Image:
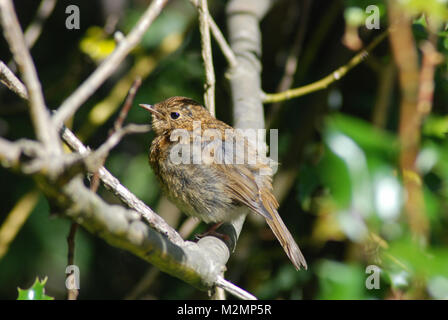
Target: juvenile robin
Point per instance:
(216, 188)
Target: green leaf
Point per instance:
(36, 292)
(364, 134)
(354, 16)
(340, 281)
(436, 126)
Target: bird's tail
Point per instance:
(286, 240)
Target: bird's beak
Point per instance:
(151, 109)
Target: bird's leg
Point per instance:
(212, 232)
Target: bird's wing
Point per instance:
(248, 178)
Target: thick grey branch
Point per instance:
(243, 19)
(198, 264)
(245, 39)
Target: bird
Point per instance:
(215, 190)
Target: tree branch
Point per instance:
(207, 56)
(34, 30)
(219, 37)
(9, 79)
(234, 290)
(243, 20)
(326, 81)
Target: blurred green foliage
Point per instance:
(345, 204)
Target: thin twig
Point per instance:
(326, 81)
(128, 103)
(83, 92)
(207, 56)
(40, 116)
(34, 30)
(225, 48)
(292, 60)
(118, 124)
(115, 138)
(294, 54)
(72, 294)
(15, 220)
(431, 58)
(220, 39)
(234, 290)
(386, 81)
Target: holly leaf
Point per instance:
(36, 292)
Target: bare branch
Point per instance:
(219, 37)
(9, 79)
(234, 290)
(72, 294)
(431, 58)
(118, 124)
(326, 81)
(101, 153)
(40, 116)
(34, 30)
(9, 153)
(225, 48)
(207, 56)
(15, 220)
(128, 103)
(292, 59)
(77, 98)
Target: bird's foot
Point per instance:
(212, 232)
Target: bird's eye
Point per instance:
(175, 115)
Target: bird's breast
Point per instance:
(198, 190)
